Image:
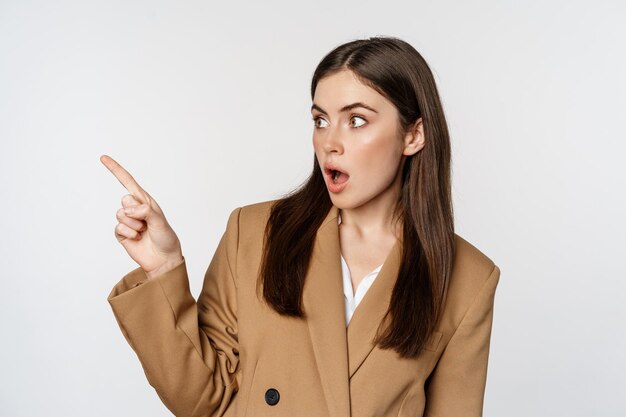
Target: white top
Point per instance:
(352, 299)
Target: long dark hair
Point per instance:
(397, 71)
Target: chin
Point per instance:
(337, 201)
(343, 203)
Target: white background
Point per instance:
(207, 105)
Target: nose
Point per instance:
(332, 140)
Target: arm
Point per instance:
(457, 385)
(188, 351)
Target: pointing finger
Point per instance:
(124, 178)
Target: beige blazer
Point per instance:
(229, 354)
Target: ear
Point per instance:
(414, 140)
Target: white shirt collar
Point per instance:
(352, 299)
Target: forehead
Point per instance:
(343, 87)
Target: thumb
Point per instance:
(145, 213)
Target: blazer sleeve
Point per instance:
(456, 386)
(189, 351)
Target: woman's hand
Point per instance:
(142, 229)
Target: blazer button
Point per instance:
(272, 396)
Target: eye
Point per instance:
(358, 117)
(316, 119)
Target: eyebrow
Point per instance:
(345, 108)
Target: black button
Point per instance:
(272, 396)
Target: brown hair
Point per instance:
(397, 71)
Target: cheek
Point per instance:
(317, 144)
(378, 158)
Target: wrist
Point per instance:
(166, 267)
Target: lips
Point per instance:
(336, 177)
(330, 168)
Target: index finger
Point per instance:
(124, 177)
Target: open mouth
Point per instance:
(336, 176)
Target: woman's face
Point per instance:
(356, 131)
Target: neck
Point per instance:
(374, 218)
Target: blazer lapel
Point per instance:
(371, 310)
(339, 352)
(325, 307)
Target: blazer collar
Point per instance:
(339, 352)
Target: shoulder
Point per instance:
(472, 272)
(245, 229)
(260, 208)
(470, 260)
(248, 221)
(254, 215)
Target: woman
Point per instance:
(276, 330)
